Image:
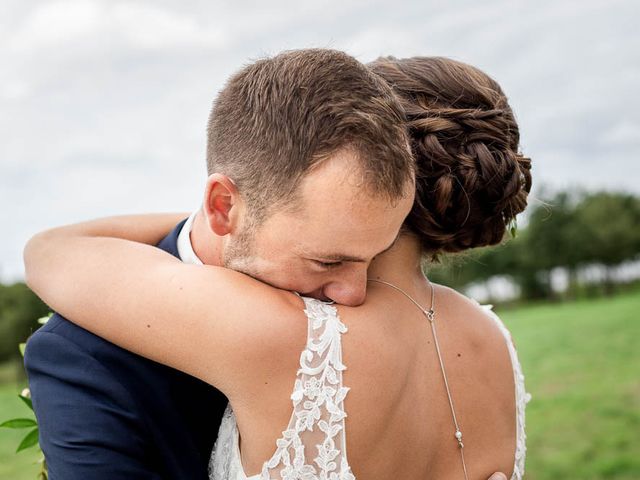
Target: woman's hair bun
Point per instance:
(471, 180)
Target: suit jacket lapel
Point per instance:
(170, 242)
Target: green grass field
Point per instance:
(21, 466)
(581, 362)
(582, 365)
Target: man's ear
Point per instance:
(221, 203)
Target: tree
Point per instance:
(554, 239)
(611, 225)
(19, 310)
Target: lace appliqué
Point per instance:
(318, 417)
(522, 397)
(313, 447)
(225, 463)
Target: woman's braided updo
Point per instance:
(471, 181)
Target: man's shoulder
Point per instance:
(59, 327)
(110, 401)
(62, 343)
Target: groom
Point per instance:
(283, 135)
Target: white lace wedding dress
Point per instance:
(313, 446)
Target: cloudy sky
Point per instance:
(103, 103)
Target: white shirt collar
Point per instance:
(185, 248)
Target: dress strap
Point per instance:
(522, 397)
(313, 446)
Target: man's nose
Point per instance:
(349, 289)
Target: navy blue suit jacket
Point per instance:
(106, 414)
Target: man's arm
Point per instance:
(88, 426)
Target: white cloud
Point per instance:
(103, 104)
(150, 27)
(622, 133)
(14, 91)
(55, 23)
(71, 22)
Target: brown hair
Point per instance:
(471, 181)
(278, 118)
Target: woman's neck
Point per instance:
(401, 265)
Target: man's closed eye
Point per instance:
(327, 265)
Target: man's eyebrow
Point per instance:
(338, 257)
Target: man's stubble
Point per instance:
(239, 255)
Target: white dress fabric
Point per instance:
(313, 446)
(522, 397)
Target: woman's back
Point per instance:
(399, 421)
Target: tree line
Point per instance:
(569, 232)
(20, 310)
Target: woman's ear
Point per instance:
(220, 198)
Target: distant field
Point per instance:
(582, 365)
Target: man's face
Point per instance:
(324, 247)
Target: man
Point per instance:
(284, 133)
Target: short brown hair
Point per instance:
(278, 118)
(471, 180)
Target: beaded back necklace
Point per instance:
(430, 314)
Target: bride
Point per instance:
(418, 382)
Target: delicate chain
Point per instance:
(430, 314)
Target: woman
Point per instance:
(429, 379)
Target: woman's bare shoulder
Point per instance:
(239, 328)
(452, 302)
(477, 324)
